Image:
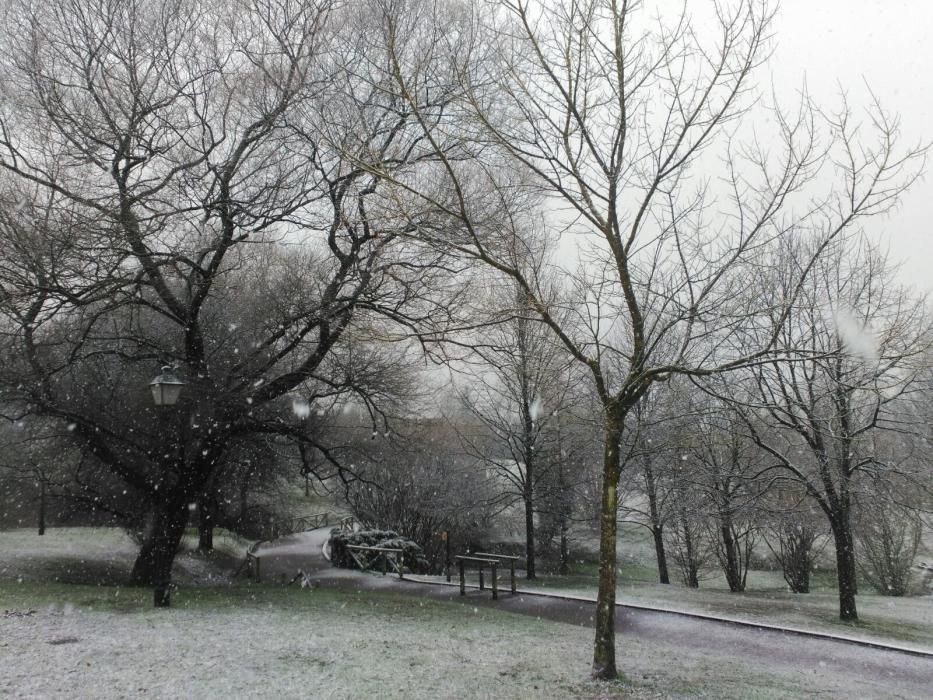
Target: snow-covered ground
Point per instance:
(285, 642)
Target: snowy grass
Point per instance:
(98, 555)
(243, 641)
(880, 617)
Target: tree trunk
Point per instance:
(205, 525)
(604, 647)
(153, 566)
(845, 566)
(529, 524)
(564, 548)
(657, 531)
(800, 561)
(42, 506)
(692, 569)
(802, 572)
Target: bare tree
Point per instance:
(689, 539)
(793, 534)
(616, 123)
(728, 462)
(820, 417)
(516, 395)
(38, 479)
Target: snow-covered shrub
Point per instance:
(412, 555)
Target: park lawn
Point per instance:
(72, 641)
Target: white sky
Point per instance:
(889, 44)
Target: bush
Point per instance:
(413, 558)
(889, 540)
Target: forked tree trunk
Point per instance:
(732, 567)
(153, 566)
(604, 648)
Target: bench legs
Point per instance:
(482, 580)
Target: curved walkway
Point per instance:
(909, 671)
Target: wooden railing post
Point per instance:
(495, 583)
(481, 586)
(462, 577)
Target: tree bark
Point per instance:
(153, 566)
(657, 531)
(845, 566)
(564, 549)
(732, 569)
(604, 648)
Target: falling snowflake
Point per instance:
(301, 408)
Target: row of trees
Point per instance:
(785, 453)
(286, 198)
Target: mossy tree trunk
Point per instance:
(604, 648)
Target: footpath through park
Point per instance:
(910, 671)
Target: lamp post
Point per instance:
(166, 389)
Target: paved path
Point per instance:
(905, 675)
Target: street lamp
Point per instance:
(166, 388)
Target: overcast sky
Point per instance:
(890, 45)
